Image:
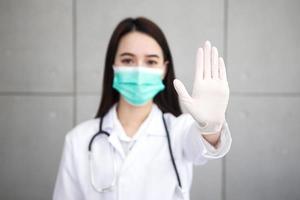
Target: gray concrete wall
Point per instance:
(51, 65)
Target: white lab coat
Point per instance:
(146, 172)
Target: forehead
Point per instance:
(139, 44)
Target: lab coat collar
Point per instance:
(153, 127)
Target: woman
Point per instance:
(140, 145)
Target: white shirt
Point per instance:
(126, 141)
(146, 172)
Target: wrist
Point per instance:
(209, 128)
(213, 139)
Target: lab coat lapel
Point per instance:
(108, 125)
(140, 150)
(115, 142)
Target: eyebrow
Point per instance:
(130, 54)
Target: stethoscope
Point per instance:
(112, 185)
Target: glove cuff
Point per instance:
(210, 127)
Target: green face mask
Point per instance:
(137, 84)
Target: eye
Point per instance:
(151, 62)
(126, 61)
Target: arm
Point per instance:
(198, 150)
(209, 99)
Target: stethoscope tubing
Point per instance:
(168, 139)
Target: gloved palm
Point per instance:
(210, 94)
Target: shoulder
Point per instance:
(83, 130)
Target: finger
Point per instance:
(180, 89)
(207, 60)
(222, 69)
(199, 76)
(215, 66)
(199, 65)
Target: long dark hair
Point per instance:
(167, 100)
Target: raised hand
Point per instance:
(210, 94)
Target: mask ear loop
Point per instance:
(171, 153)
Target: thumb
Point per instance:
(180, 89)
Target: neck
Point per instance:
(132, 116)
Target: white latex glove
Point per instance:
(210, 95)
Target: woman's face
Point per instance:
(136, 48)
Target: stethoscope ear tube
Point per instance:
(99, 132)
(90, 157)
(171, 153)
